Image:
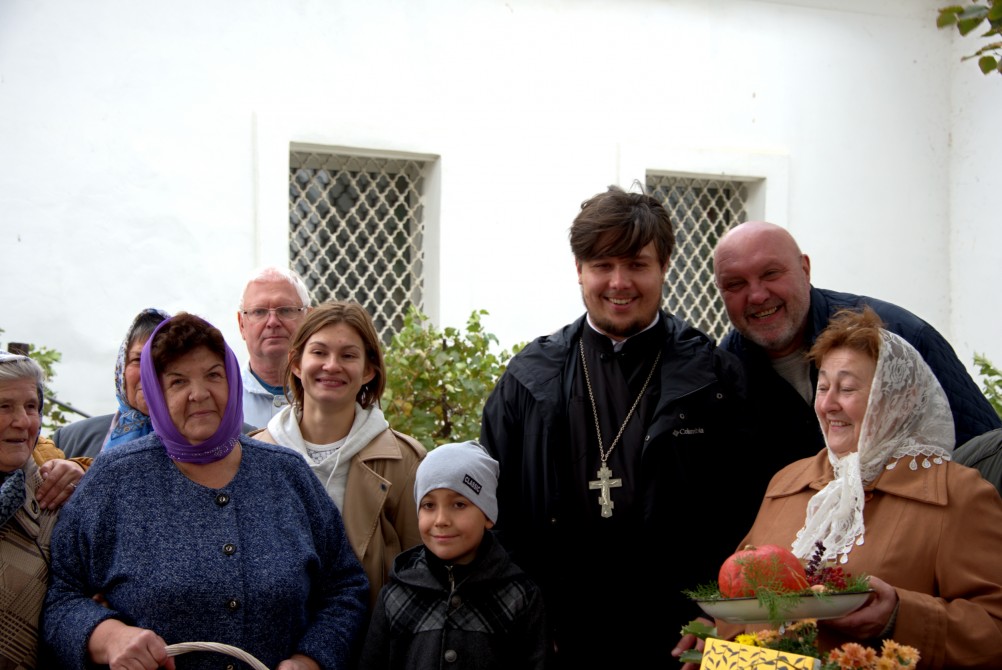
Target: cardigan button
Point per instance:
(455, 601)
(450, 656)
(222, 499)
(229, 549)
(233, 604)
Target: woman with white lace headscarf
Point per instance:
(884, 500)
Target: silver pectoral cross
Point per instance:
(603, 484)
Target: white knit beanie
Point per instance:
(463, 467)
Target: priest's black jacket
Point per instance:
(700, 485)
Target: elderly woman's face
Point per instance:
(195, 390)
(20, 422)
(133, 385)
(844, 381)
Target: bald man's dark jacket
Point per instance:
(791, 423)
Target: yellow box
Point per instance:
(724, 655)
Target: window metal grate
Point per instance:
(356, 229)
(701, 210)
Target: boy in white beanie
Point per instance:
(457, 600)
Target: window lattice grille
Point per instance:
(701, 211)
(356, 229)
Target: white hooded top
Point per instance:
(333, 470)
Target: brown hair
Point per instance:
(332, 313)
(858, 330)
(182, 334)
(616, 223)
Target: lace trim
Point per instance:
(907, 415)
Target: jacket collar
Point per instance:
(684, 368)
(384, 446)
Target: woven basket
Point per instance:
(185, 647)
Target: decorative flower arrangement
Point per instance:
(774, 576)
(756, 573)
(829, 576)
(801, 638)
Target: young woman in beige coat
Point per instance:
(336, 378)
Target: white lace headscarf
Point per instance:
(907, 414)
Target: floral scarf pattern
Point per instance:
(128, 423)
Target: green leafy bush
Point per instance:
(992, 382)
(967, 19)
(438, 381)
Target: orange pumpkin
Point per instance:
(769, 566)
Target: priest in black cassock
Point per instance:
(628, 469)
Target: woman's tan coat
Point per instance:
(935, 534)
(24, 568)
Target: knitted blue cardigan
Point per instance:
(262, 564)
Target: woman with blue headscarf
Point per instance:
(130, 421)
(198, 533)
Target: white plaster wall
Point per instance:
(143, 146)
(976, 223)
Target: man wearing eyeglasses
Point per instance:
(274, 303)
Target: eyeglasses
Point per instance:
(286, 313)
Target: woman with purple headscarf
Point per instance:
(198, 533)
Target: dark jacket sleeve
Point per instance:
(501, 433)
(973, 415)
(376, 650)
(534, 634)
(984, 453)
(83, 438)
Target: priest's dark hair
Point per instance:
(619, 224)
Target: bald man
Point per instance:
(765, 281)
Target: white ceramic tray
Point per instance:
(749, 610)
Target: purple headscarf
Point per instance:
(178, 447)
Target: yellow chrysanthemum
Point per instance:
(909, 655)
(750, 640)
(905, 656)
(889, 649)
(803, 624)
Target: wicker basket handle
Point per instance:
(185, 647)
